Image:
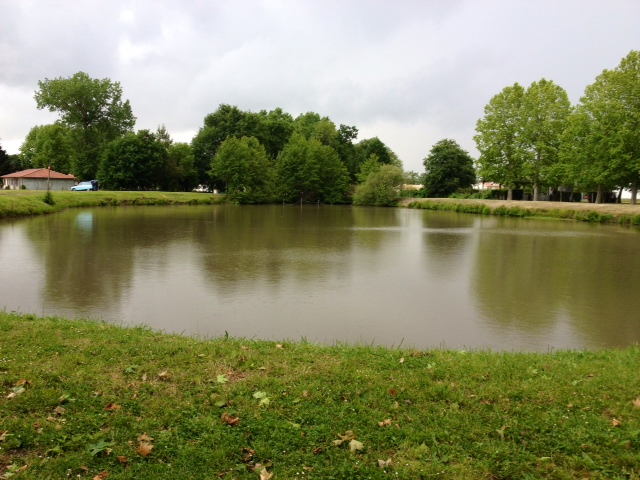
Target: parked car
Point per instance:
(88, 186)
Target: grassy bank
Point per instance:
(22, 203)
(624, 214)
(87, 400)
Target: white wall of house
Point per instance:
(37, 183)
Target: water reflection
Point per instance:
(330, 273)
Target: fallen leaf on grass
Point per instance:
(145, 438)
(59, 410)
(279, 346)
(15, 392)
(385, 423)
(222, 378)
(3, 435)
(112, 407)
(348, 436)
(636, 402)
(144, 449)
(615, 422)
(101, 476)
(99, 447)
(262, 396)
(24, 382)
(355, 446)
(384, 463)
(265, 475)
(402, 360)
(164, 376)
(230, 419)
(122, 459)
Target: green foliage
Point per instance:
(48, 198)
(243, 166)
(5, 163)
(448, 169)
(499, 138)
(372, 165)
(133, 162)
(381, 188)
(94, 111)
(308, 170)
(49, 145)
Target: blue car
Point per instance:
(88, 186)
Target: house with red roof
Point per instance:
(38, 179)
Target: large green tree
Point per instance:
(545, 113)
(94, 111)
(49, 145)
(243, 166)
(308, 170)
(448, 168)
(136, 161)
(499, 139)
(601, 147)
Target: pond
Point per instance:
(392, 277)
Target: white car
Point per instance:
(87, 186)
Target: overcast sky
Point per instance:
(408, 72)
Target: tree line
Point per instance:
(533, 138)
(529, 139)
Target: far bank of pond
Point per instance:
(14, 204)
(624, 214)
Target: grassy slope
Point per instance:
(590, 212)
(89, 398)
(31, 202)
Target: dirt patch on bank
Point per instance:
(615, 209)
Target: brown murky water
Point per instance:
(331, 274)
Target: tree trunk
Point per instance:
(599, 194)
(634, 192)
(536, 192)
(510, 193)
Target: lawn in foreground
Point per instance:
(83, 399)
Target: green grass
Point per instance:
(85, 394)
(20, 203)
(505, 211)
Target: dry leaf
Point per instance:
(393, 392)
(317, 451)
(385, 423)
(279, 346)
(230, 419)
(636, 402)
(384, 463)
(264, 475)
(59, 410)
(112, 407)
(163, 376)
(615, 422)
(23, 382)
(144, 449)
(145, 438)
(3, 435)
(402, 360)
(244, 347)
(101, 476)
(355, 445)
(122, 459)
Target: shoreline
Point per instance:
(625, 214)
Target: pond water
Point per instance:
(393, 277)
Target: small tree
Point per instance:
(243, 166)
(381, 188)
(448, 169)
